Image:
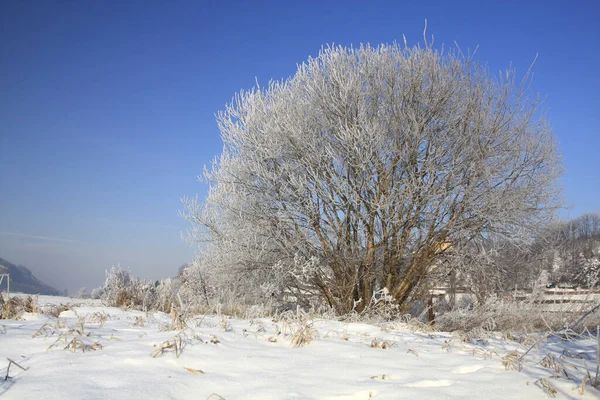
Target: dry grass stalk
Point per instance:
(512, 360)
(380, 377)
(16, 306)
(45, 330)
(78, 344)
(139, 321)
(261, 326)
(304, 335)
(381, 344)
(343, 336)
(195, 371)
(588, 377)
(99, 317)
(581, 387)
(215, 395)
(176, 344)
(299, 326)
(330, 334)
(55, 310)
(556, 365)
(75, 338)
(11, 362)
(547, 387)
(447, 346)
(226, 325)
(179, 319)
(478, 351)
(247, 333)
(75, 343)
(60, 323)
(178, 322)
(413, 352)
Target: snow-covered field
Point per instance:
(226, 358)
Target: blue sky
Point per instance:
(107, 107)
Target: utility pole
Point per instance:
(7, 276)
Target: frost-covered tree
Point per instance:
(569, 251)
(578, 252)
(356, 173)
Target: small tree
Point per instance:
(366, 164)
(82, 293)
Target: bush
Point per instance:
(520, 312)
(97, 293)
(121, 289)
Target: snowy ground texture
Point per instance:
(135, 355)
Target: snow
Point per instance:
(255, 359)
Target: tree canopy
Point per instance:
(369, 165)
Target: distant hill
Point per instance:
(22, 280)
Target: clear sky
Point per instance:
(107, 107)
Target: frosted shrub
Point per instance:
(82, 293)
(121, 289)
(97, 293)
(162, 297)
(521, 312)
(211, 289)
(195, 290)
